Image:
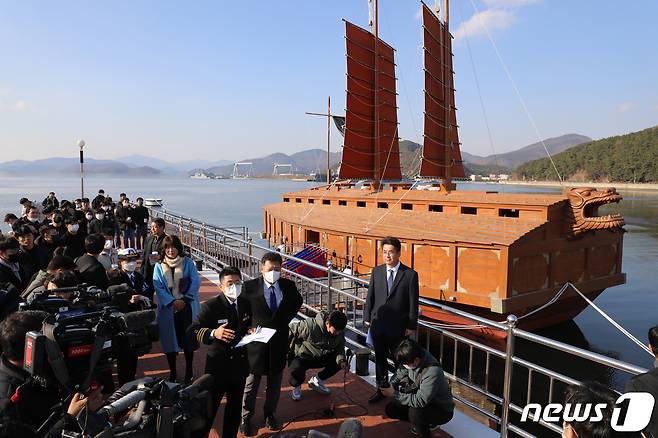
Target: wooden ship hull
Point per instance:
(489, 253)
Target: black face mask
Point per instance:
(13, 258)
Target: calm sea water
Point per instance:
(240, 202)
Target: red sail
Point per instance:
(440, 112)
(364, 155)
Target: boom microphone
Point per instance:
(123, 403)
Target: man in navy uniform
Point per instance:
(274, 303)
(391, 309)
(222, 322)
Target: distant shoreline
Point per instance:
(617, 185)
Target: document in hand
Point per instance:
(262, 334)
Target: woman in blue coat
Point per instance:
(176, 282)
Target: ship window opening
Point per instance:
(360, 203)
(508, 212)
(286, 199)
(469, 210)
(311, 201)
(438, 208)
(298, 200)
(342, 202)
(407, 206)
(382, 205)
(326, 202)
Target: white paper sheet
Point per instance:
(262, 334)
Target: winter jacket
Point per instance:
(311, 340)
(432, 386)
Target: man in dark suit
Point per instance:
(222, 322)
(648, 382)
(92, 272)
(151, 251)
(274, 303)
(391, 309)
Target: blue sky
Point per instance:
(232, 79)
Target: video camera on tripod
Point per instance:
(72, 350)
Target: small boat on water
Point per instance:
(153, 202)
(488, 253)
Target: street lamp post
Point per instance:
(81, 144)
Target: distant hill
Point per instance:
(624, 158)
(311, 160)
(61, 166)
(181, 166)
(515, 158)
(131, 165)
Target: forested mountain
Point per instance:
(624, 158)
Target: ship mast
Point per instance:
(447, 184)
(378, 158)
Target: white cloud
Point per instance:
(491, 19)
(625, 107)
(20, 105)
(509, 3)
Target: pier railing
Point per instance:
(494, 384)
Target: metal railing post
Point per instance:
(250, 250)
(330, 276)
(507, 383)
(205, 244)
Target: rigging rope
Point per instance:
(516, 90)
(479, 90)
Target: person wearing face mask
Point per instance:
(87, 217)
(275, 301)
(11, 270)
(10, 220)
(176, 282)
(98, 200)
(74, 239)
(318, 342)
(420, 390)
(141, 216)
(126, 358)
(222, 322)
(101, 224)
(125, 216)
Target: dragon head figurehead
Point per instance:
(584, 203)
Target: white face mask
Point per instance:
(409, 367)
(130, 266)
(105, 207)
(89, 216)
(272, 276)
(75, 228)
(233, 291)
(33, 219)
(108, 244)
(100, 217)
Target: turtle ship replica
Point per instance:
(487, 253)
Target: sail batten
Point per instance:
(441, 155)
(371, 123)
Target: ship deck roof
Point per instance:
(412, 225)
(457, 196)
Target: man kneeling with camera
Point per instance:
(421, 391)
(317, 342)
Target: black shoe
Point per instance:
(271, 423)
(188, 380)
(376, 397)
(246, 429)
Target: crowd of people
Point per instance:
(55, 246)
